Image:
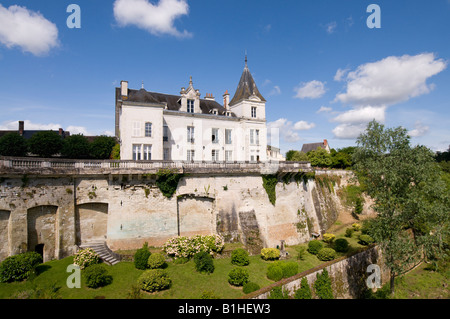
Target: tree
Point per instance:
(304, 292)
(45, 143)
(320, 158)
(322, 285)
(13, 144)
(115, 154)
(102, 146)
(76, 146)
(410, 198)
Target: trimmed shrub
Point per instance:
(187, 247)
(154, 280)
(85, 258)
(329, 238)
(250, 287)
(239, 257)
(96, 276)
(304, 292)
(349, 232)
(341, 245)
(290, 268)
(322, 286)
(19, 267)
(238, 276)
(314, 246)
(356, 227)
(141, 257)
(365, 240)
(326, 254)
(270, 253)
(204, 262)
(155, 261)
(275, 272)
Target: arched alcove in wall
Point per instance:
(41, 230)
(4, 234)
(91, 222)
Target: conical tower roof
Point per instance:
(246, 87)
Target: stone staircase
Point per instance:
(102, 251)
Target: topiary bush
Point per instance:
(19, 267)
(349, 232)
(96, 276)
(329, 238)
(365, 240)
(341, 245)
(275, 272)
(314, 246)
(290, 268)
(326, 254)
(250, 287)
(270, 254)
(238, 276)
(85, 258)
(141, 257)
(156, 260)
(154, 280)
(356, 227)
(240, 257)
(204, 262)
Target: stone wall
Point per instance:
(348, 276)
(127, 210)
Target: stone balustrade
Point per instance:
(59, 166)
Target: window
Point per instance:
(215, 135)
(229, 156)
(136, 129)
(136, 152)
(147, 152)
(166, 154)
(215, 155)
(190, 134)
(190, 155)
(148, 129)
(165, 133)
(252, 137)
(228, 139)
(253, 112)
(190, 106)
(257, 137)
(252, 158)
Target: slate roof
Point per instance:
(312, 147)
(246, 88)
(173, 101)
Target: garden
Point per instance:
(198, 267)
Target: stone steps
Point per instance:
(102, 251)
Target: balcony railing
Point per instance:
(57, 165)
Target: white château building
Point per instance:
(186, 127)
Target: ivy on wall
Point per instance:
(167, 182)
(269, 184)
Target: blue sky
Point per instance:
(322, 70)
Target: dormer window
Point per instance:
(214, 112)
(190, 106)
(228, 113)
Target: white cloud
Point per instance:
(287, 130)
(304, 126)
(349, 131)
(331, 27)
(391, 80)
(313, 90)
(419, 130)
(362, 115)
(275, 91)
(156, 19)
(29, 30)
(78, 130)
(340, 74)
(324, 109)
(28, 125)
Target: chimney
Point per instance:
(226, 99)
(124, 89)
(61, 132)
(21, 127)
(325, 143)
(209, 97)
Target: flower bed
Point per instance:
(187, 247)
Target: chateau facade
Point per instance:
(186, 127)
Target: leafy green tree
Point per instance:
(76, 146)
(304, 292)
(102, 146)
(115, 154)
(322, 285)
(319, 158)
(409, 196)
(13, 144)
(45, 143)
